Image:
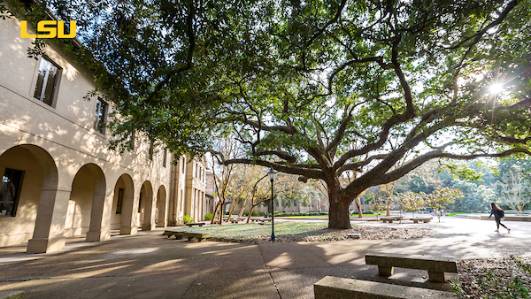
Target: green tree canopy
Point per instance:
(318, 89)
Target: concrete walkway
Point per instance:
(151, 266)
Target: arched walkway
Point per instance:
(122, 206)
(88, 193)
(160, 218)
(28, 202)
(145, 206)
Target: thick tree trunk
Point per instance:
(338, 213)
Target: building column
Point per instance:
(100, 216)
(196, 205)
(202, 205)
(150, 213)
(166, 212)
(128, 223)
(49, 225)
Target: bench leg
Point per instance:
(385, 271)
(178, 237)
(190, 239)
(436, 276)
(199, 239)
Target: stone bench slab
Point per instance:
(421, 219)
(390, 219)
(342, 288)
(419, 262)
(435, 266)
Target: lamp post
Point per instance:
(272, 175)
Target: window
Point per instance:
(47, 81)
(101, 116)
(151, 149)
(132, 139)
(120, 201)
(164, 158)
(182, 164)
(10, 191)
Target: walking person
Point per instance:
(498, 215)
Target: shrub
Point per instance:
(187, 219)
(255, 213)
(209, 216)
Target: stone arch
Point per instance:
(145, 206)
(161, 210)
(87, 198)
(28, 193)
(122, 206)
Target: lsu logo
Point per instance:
(48, 29)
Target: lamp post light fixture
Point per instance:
(272, 176)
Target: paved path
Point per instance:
(150, 266)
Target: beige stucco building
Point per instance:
(196, 204)
(59, 177)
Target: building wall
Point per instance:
(55, 144)
(177, 193)
(196, 204)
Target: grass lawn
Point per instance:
(253, 231)
(454, 214)
(292, 231)
(323, 216)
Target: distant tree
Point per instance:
(411, 201)
(377, 204)
(292, 191)
(387, 191)
(223, 175)
(259, 195)
(439, 199)
(513, 190)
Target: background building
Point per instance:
(195, 199)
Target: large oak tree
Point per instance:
(318, 89)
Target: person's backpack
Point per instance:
(501, 213)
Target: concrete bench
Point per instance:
(236, 220)
(335, 287)
(179, 234)
(390, 219)
(194, 235)
(195, 224)
(421, 219)
(436, 267)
